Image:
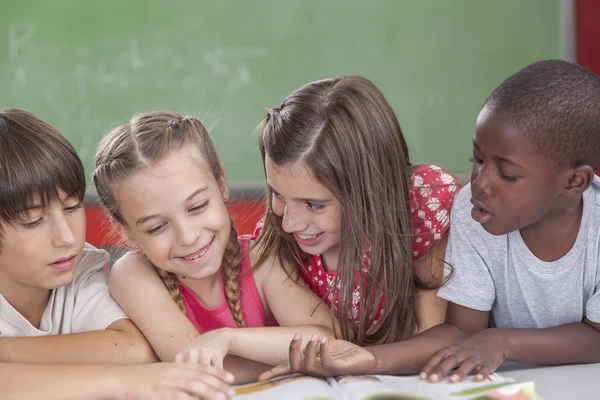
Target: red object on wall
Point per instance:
(99, 233)
(587, 16)
(587, 22)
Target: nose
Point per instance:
(294, 220)
(62, 235)
(481, 183)
(185, 233)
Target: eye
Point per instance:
(73, 208)
(315, 206)
(199, 207)
(507, 177)
(155, 229)
(477, 161)
(30, 225)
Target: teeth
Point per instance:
(197, 255)
(307, 237)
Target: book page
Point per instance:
(290, 387)
(382, 387)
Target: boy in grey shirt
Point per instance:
(525, 234)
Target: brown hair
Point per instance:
(36, 161)
(346, 134)
(147, 139)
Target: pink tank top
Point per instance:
(208, 319)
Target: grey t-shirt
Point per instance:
(500, 274)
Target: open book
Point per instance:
(383, 387)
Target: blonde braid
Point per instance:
(231, 271)
(172, 285)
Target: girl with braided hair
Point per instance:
(160, 180)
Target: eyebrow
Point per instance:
(190, 197)
(30, 208)
(302, 198)
(501, 159)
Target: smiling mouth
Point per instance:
(199, 253)
(308, 237)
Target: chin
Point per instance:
(496, 230)
(58, 282)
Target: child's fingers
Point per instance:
(182, 357)
(486, 370)
(310, 353)
(275, 371)
(447, 365)
(295, 353)
(467, 366)
(217, 360)
(435, 361)
(326, 360)
(204, 357)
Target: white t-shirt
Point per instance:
(83, 305)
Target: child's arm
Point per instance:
(120, 342)
(102, 382)
(339, 357)
(431, 309)
(483, 352)
(294, 306)
(141, 293)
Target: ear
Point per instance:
(223, 186)
(125, 233)
(579, 179)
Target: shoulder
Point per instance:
(131, 267)
(432, 189)
(432, 192)
(429, 175)
(92, 260)
(271, 270)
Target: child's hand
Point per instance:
(175, 381)
(209, 348)
(324, 357)
(481, 354)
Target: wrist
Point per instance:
(379, 367)
(505, 341)
(228, 335)
(116, 383)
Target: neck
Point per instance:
(208, 290)
(331, 259)
(555, 234)
(30, 302)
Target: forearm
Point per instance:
(566, 344)
(60, 382)
(270, 345)
(97, 347)
(408, 356)
(244, 370)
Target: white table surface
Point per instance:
(563, 382)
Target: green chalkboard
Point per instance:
(85, 65)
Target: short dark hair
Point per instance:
(36, 161)
(557, 104)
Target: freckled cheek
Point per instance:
(278, 207)
(332, 223)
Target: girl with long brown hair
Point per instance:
(366, 228)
